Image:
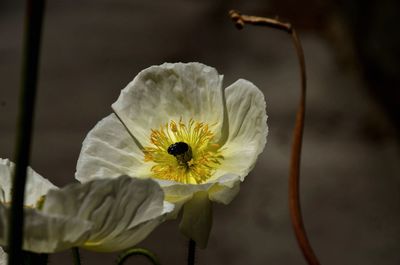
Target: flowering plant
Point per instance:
(174, 123)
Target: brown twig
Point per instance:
(294, 175)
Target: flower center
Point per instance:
(182, 152)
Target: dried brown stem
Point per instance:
(294, 175)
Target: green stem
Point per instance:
(33, 25)
(138, 252)
(76, 256)
(191, 252)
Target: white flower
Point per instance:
(101, 215)
(176, 124)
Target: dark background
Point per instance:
(350, 177)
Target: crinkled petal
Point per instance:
(132, 235)
(36, 185)
(247, 128)
(45, 233)
(168, 92)
(225, 189)
(179, 193)
(221, 190)
(196, 219)
(3, 257)
(123, 210)
(109, 151)
(196, 200)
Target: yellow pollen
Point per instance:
(205, 153)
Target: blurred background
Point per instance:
(351, 174)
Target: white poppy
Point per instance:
(176, 124)
(101, 215)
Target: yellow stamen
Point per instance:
(205, 153)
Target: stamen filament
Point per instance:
(195, 165)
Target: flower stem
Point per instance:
(191, 252)
(138, 252)
(32, 34)
(76, 256)
(294, 175)
(30, 258)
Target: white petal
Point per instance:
(221, 190)
(168, 92)
(36, 185)
(108, 151)
(247, 127)
(196, 219)
(3, 257)
(196, 200)
(44, 233)
(124, 210)
(225, 188)
(6, 171)
(125, 240)
(177, 192)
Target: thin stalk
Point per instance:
(76, 256)
(33, 26)
(191, 252)
(294, 174)
(30, 258)
(137, 252)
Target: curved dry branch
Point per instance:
(294, 174)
